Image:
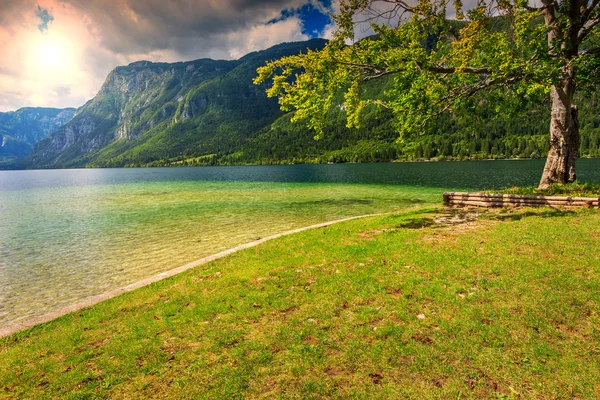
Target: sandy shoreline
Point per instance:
(92, 300)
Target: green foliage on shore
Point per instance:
(451, 137)
(497, 56)
(572, 189)
(417, 305)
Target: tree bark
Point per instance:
(564, 136)
(564, 123)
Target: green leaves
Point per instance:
(436, 63)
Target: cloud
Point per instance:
(62, 90)
(50, 45)
(44, 15)
(314, 16)
(264, 36)
(185, 26)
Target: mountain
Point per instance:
(146, 112)
(208, 112)
(20, 130)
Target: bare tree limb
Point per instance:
(549, 13)
(381, 104)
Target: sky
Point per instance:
(57, 53)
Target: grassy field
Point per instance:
(426, 304)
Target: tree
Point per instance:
(498, 53)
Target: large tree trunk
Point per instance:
(564, 136)
(563, 39)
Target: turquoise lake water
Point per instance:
(69, 234)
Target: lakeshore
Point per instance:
(425, 303)
(93, 300)
(69, 235)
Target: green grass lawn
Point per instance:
(504, 304)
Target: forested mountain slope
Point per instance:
(460, 136)
(147, 111)
(20, 130)
(208, 112)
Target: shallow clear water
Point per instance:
(68, 234)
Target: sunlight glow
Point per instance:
(50, 54)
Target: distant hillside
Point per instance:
(22, 129)
(146, 112)
(452, 136)
(208, 112)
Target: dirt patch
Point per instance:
(423, 339)
(394, 292)
(93, 345)
(375, 378)
(370, 235)
(457, 217)
(311, 340)
(451, 224)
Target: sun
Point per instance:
(50, 54)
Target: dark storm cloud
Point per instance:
(139, 26)
(44, 15)
(186, 26)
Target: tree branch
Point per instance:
(549, 13)
(469, 90)
(587, 28)
(465, 91)
(588, 52)
(372, 14)
(587, 13)
(381, 104)
(438, 69)
(377, 75)
(368, 67)
(378, 72)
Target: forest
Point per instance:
(463, 135)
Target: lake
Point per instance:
(69, 234)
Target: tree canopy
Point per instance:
(440, 55)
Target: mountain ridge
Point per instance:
(20, 130)
(208, 112)
(144, 100)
